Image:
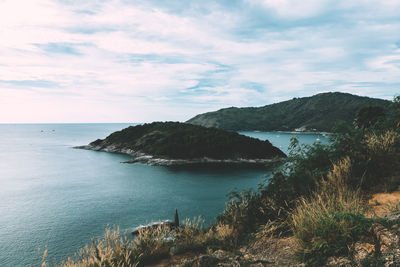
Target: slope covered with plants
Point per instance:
(317, 200)
(319, 112)
(174, 140)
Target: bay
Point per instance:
(57, 197)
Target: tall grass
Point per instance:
(380, 161)
(192, 236)
(151, 246)
(115, 249)
(331, 220)
(386, 143)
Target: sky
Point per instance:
(155, 60)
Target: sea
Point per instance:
(58, 198)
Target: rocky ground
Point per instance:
(382, 249)
(265, 252)
(139, 157)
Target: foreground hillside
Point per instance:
(323, 207)
(172, 142)
(319, 112)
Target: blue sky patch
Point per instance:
(59, 48)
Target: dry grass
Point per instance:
(150, 247)
(385, 203)
(384, 143)
(331, 220)
(115, 249)
(331, 194)
(382, 158)
(192, 236)
(270, 230)
(392, 207)
(223, 236)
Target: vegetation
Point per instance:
(317, 197)
(185, 141)
(331, 221)
(368, 116)
(149, 247)
(318, 112)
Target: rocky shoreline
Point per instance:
(140, 157)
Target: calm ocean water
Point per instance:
(57, 197)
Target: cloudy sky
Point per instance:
(145, 60)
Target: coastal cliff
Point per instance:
(173, 143)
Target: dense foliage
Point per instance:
(185, 141)
(318, 112)
(316, 196)
(374, 153)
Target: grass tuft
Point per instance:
(331, 221)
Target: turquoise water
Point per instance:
(57, 197)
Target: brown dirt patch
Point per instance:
(174, 260)
(384, 203)
(272, 251)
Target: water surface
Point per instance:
(55, 196)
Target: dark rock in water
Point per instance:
(176, 218)
(153, 226)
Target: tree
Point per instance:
(368, 116)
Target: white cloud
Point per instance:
(295, 9)
(113, 61)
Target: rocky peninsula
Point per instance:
(174, 143)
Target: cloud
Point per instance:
(115, 60)
(294, 9)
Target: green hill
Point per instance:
(174, 140)
(319, 112)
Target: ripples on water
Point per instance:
(55, 196)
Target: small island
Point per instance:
(174, 143)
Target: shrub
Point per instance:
(191, 236)
(222, 236)
(382, 159)
(117, 250)
(331, 220)
(152, 245)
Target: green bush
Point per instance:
(331, 221)
(330, 234)
(319, 200)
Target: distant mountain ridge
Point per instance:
(315, 113)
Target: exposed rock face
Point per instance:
(139, 157)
